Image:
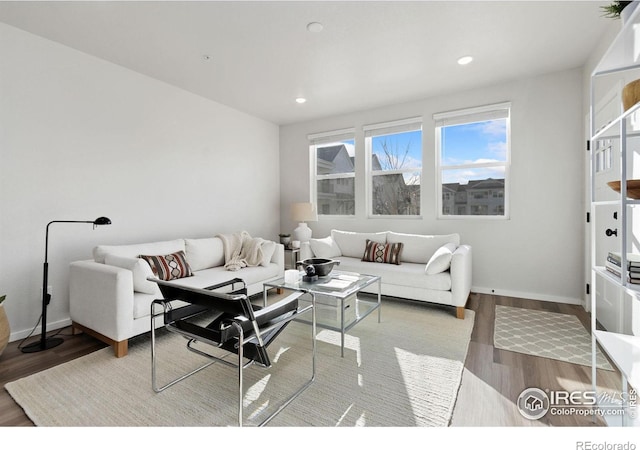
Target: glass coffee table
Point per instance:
(335, 296)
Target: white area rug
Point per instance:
(404, 371)
(547, 334)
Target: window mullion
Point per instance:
(333, 176)
(476, 165)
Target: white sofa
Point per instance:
(110, 296)
(433, 268)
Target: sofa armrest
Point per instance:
(305, 251)
(101, 298)
(461, 275)
(278, 258)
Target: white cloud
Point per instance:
(495, 127)
(499, 149)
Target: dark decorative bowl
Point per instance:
(322, 266)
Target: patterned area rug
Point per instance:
(541, 333)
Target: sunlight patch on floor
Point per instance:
(344, 415)
(409, 364)
(281, 351)
(497, 410)
(254, 392)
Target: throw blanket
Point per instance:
(241, 250)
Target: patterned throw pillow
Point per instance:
(169, 267)
(382, 253)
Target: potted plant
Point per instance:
(4, 326)
(614, 9)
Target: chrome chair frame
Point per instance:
(203, 300)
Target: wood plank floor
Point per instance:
(492, 380)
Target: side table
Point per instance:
(291, 256)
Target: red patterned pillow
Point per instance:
(169, 267)
(382, 253)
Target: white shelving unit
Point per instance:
(615, 218)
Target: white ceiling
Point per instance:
(369, 54)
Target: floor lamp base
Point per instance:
(37, 346)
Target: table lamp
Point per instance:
(302, 213)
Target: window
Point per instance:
(473, 153)
(604, 150)
(333, 161)
(394, 167)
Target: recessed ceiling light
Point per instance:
(301, 100)
(465, 60)
(315, 27)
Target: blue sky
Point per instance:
(480, 142)
(399, 143)
(474, 142)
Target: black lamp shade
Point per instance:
(102, 221)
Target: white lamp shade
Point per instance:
(303, 212)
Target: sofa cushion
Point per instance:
(268, 249)
(352, 244)
(204, 253)
(441, 259)
(132, 251)
(382, 253)
(141, 271)
(419, 248)
(325, 248)
(406, 274)
(216, 275)
(169, 267)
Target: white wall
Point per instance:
(539, 252)
(82, 138)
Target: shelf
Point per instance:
(615, 154)
(622, 54)
(624, 350)
(610, 127)
(363, 307)
(629, 202)
(631, 289)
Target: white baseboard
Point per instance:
(528, 295)
(51, 326)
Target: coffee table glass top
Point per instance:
(336, 284)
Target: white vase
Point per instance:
(4, 329)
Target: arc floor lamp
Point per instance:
(44, 343)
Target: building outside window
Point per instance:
(394, 167)
(333, 172)
(473, 157)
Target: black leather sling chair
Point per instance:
(235, 326)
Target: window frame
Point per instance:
(388, 128)
(321, 140)
(469, 116)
